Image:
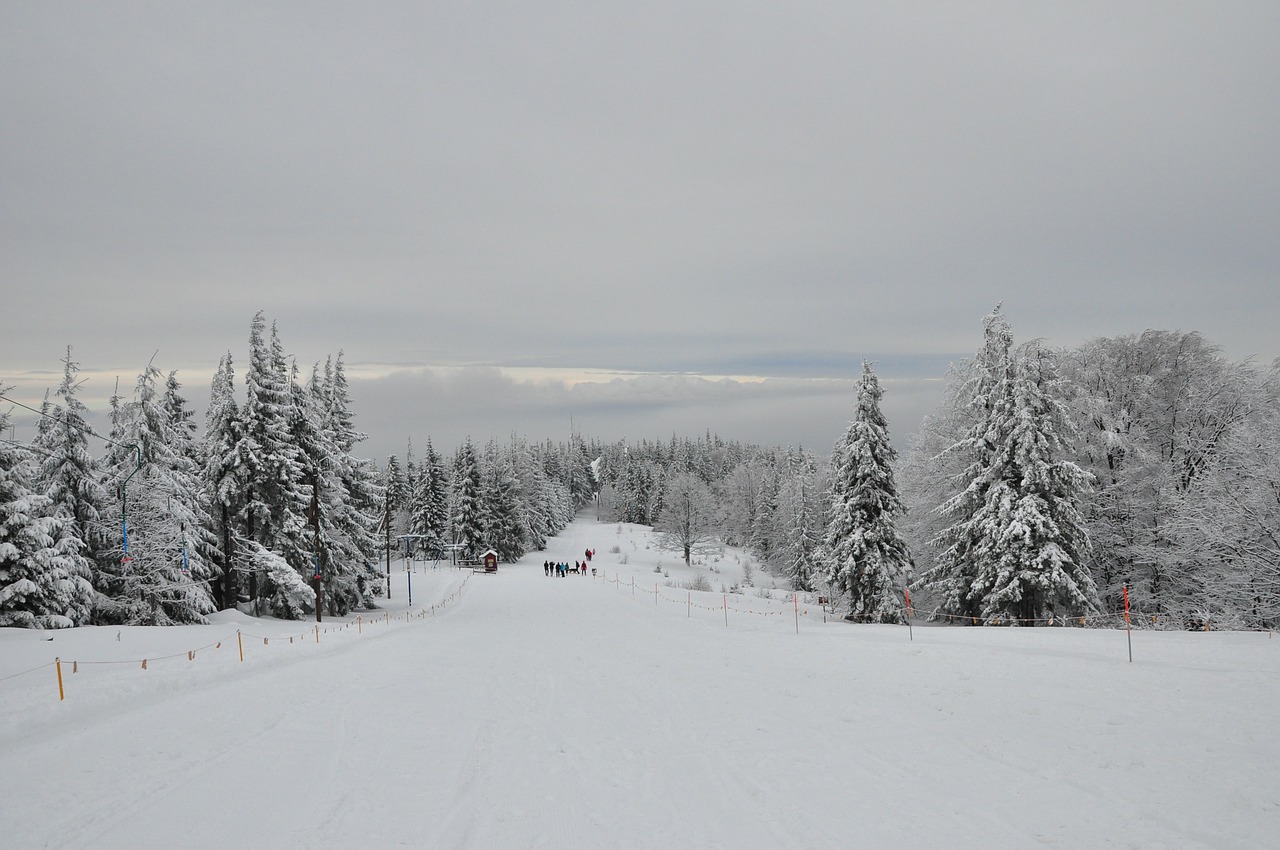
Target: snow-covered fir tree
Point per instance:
(223, 472)
(307, 544)
(537, 516)
(429, 513)
(356, 495)
(396, 483)
(988, 393)
(560, 508)
(801, 523)
(1031, 559)
(163, 576)
(764, 523)
(867, 559)
(578, 474)
(275, 505)
(469, 531)
(504, 512)
(44, 578)
(1014, 551)
(69, 474)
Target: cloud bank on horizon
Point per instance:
(706, 189)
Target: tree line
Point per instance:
(161, 522)
(1047, 483)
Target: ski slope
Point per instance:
(521, 711)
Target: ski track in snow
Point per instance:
(541, 712)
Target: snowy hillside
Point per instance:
(619, 710)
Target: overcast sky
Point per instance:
(528, 217)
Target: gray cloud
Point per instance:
(686, 188)
(481, 403)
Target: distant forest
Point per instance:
(1047, 484)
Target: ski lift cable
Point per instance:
(59, 419)
(124, 520)
(31, 449)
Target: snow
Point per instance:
(519, 711)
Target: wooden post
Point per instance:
(1127, 628)
(240, 643)
(62, 694)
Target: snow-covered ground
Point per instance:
(516, 710)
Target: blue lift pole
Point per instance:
(124, 498)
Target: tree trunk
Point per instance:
(230, 585)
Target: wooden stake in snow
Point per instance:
(1128, 630)
(910, 634)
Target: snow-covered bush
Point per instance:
(698, 582)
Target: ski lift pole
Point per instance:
(182, 529)
(124, 500)
(317, 580)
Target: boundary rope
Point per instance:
(358, 622)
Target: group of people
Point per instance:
(561, 568)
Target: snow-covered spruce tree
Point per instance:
(504, 511)
(163, 579)
(69, 474)
(559, 500)
(396, 499)
(274, 504)
(355, 499)
(764, 525)
(1033, 540)
(306, 542)
(468, 504)
(580, 477)
(224, 475)
(532, 492)
(1015, 549)
(429, 514)
(44, 580)
(801, 508)
(988, 395)
(639, 497)
(865, 556)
